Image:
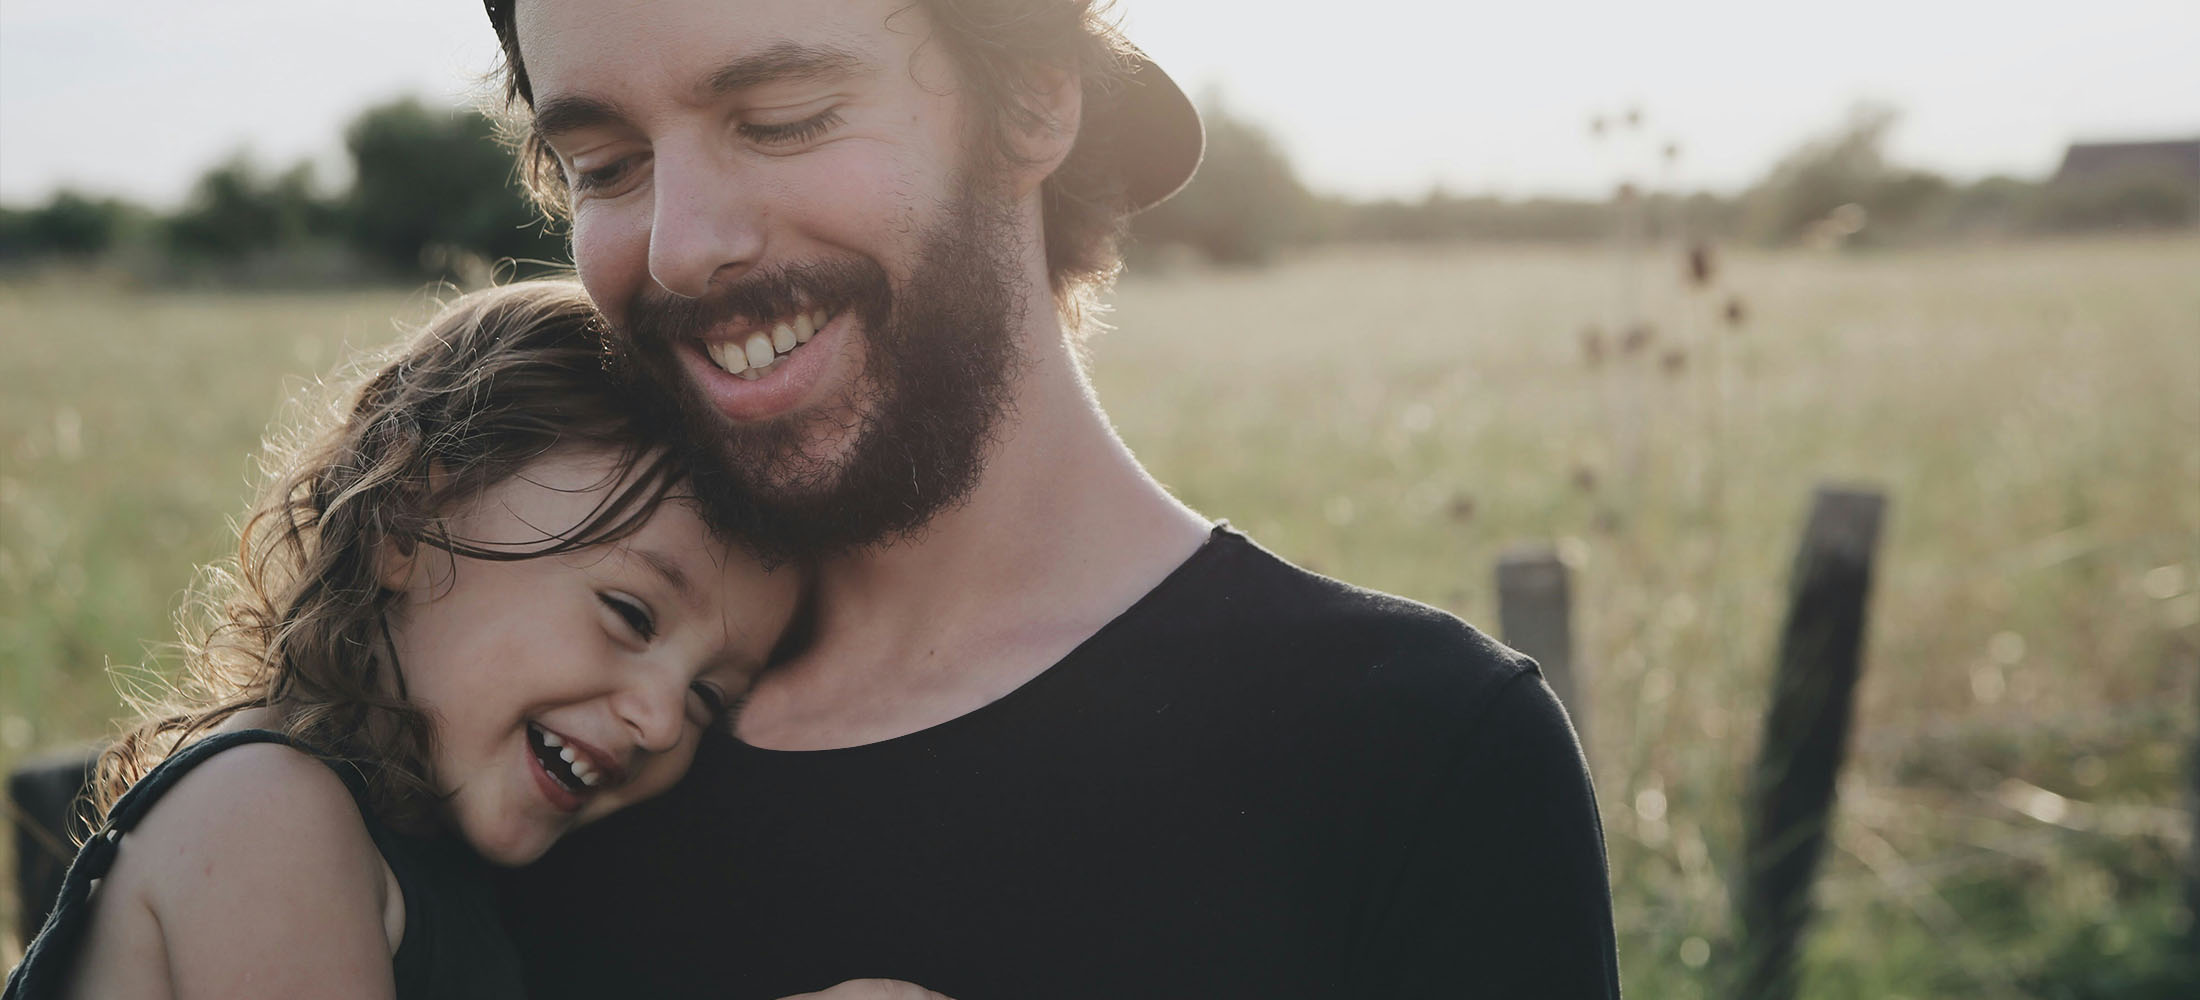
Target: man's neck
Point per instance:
(1064, 532)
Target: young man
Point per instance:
(1051, 733)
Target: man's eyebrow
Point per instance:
(782, 61)
(560, 115)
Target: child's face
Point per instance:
(621, 653)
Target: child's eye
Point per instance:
(636, 616)
(711, 704)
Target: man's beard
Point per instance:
(913, 427)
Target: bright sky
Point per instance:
(1372, 97)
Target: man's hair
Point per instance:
(1004, 51)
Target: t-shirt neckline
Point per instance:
(1220, 533)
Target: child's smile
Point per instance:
(566, 687)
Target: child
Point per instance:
(473, 615)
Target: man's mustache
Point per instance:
(657, 319)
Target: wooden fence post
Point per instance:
(1791, 787)
(42, 807)
(2192, 859)
(1535, 616)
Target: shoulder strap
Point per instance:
(139, 800)
(50, 954)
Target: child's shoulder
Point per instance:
(250, 811)
(258, 850)
(258, 792)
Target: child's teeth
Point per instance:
(783, 338)
(552, 740)
(566, 755)
(588, 778)
(759, 349)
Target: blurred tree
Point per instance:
(68, 225)
(1842, 168)
(1244, 203)
(433, 185)
(235, 211)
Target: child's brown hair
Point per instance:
(295, 625)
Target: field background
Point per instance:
(2012, 821)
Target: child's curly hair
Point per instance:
(295, 624)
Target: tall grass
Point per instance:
(2011, 822)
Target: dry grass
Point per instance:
(2012, 822)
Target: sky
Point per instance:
(1371, 98)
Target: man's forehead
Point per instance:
(601, 45)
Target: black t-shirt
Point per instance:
(1256, 782)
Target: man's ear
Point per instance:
(1055, 100)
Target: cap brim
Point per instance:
(1154, 135)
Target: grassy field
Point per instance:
(2011, 823)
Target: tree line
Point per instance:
(432, 194)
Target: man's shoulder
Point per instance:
(1309, 633)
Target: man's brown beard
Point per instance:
(939, 361)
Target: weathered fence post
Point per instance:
(1791, 788)
(2192, 859)
(42, 806)
(1535, 616)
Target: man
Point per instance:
(1050, 733)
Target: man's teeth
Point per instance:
(726, 355)
(753, 357)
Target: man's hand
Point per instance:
(873, 989)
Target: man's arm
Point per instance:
(1503, 891)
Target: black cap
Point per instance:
(1149, 129)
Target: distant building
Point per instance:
(2085, 161)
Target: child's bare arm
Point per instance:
(264, 882)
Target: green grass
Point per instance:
(2011, 822)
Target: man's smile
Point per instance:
(751, 372)
(756, 353)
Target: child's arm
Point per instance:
(263, 882)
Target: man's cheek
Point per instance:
(611, 254)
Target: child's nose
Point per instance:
(654, 709)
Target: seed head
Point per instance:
(1736, 311)
(1700, 265)
(1637, 339)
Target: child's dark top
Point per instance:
(454, 944)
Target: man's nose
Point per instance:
(708, 223)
